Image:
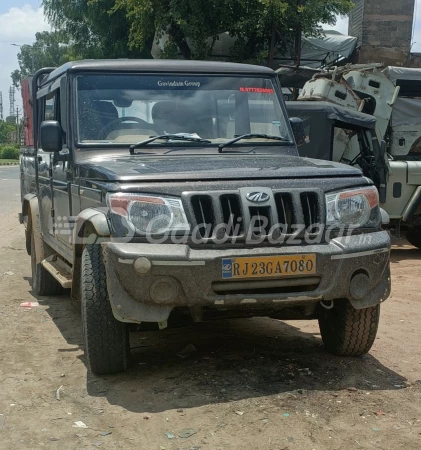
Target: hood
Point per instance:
(208, 167)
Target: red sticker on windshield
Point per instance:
(257, 90)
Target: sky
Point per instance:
(21, 19)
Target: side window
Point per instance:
(49, 109)
(49, 106)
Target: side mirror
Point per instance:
(299, 131)
(51, 136)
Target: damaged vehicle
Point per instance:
(172, 192)
(335, 133)
(392, 95)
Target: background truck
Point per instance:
(168, 192)
(393, 96)
(334, 132)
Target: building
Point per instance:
(384, 30)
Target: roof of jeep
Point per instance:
(157, 65)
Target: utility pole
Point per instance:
(12, 100)
(272, 47)
(17, 126)
(298, 36)
(1, 105)
(298, 42)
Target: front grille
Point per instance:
(204, 214)
(232, 214)
(260, 220)
(285, 209)
(310, 206)
(232, 217)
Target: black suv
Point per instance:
(169, 192)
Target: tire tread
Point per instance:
(106, 339)
(347, 331)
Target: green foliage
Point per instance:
(11, 120)
(9, 152)
(252, 22)
(50, 49)
(5, 130)
(84, 30)
(126, 28)
(92, 29)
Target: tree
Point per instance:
(254, 23)
(94, 31)
(50, 49)
(5, 131)
(85, 29)
(126, 28)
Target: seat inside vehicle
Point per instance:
(174, 117)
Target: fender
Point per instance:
(412, 205)
(42, 250)
(29, 202)
(91, 226)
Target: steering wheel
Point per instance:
(105, 131)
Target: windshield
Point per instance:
(126, 109)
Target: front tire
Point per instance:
(28, 242)
(43, 283)
(106, 340)
(347, 331)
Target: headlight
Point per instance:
(146, 214)
(353, 208)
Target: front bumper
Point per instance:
(177, 275)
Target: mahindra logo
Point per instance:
(257, 197)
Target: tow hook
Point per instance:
(329, 305)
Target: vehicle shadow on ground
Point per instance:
(402, 251)
(230, 360)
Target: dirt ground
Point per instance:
(251, 384)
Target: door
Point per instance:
(43, 160)
(61, 181)
(54, 182)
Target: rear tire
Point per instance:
(43, 283)
(413, 236)
(347, 331)
(106, 340)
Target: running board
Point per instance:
(59, 270)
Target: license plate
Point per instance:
(269, 266)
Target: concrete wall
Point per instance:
(384, 29)
(414, 61)
(356, 21)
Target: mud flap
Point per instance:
(126, 309)
(378, 295)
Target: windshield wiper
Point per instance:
(250, 136)
(167, 137)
